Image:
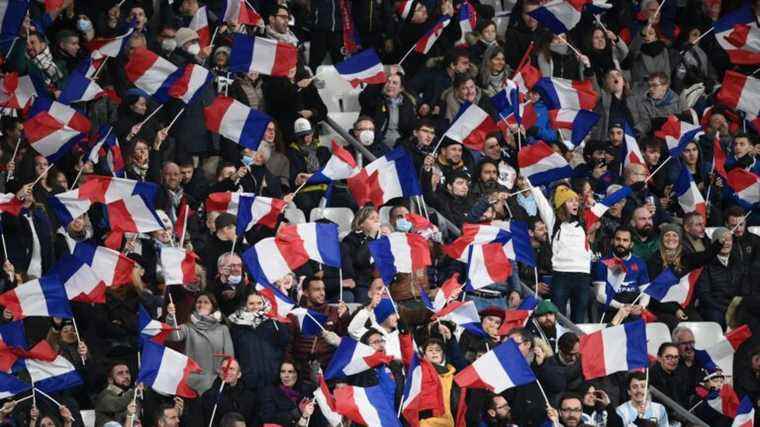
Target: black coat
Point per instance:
(19, 241)
(376, 105)
(277, 408)
(260, 351)
(356, 263)
(238, 398)
(675, 385)
(718, 284)
(285, 100)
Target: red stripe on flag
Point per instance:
(215, 112)
(738, 336)
(183, 389)
(120, 218)
(292, 249)
(285, 58)
(592, 355)
(10, 301)
(270, 219)
(140, 61)
(188, 268)
(40, 126)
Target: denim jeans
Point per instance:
(575, 287)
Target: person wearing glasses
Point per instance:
(640, 410)
(655, 100)
(569, 413)
(669, 376)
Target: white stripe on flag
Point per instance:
(233, 121)
(264, 55)
(170, 373)
(41, 370)
(308, 233)
(31, 299)
(615, 351)
(402, 252)
(366, 409)
(490, 370)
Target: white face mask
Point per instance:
(168, 45)
(367, 137)
(194, 49)
(234, 280)
(84, 25)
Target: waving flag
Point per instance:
(468, 20)
(471, 126)
(225, 202)
(745, 415)
(265, 56)
(54, 127)
(107, 189)
(738, 34)
(474, 234)
(189, 82)
(369, 406)
(507, 102)
(668, 288)
(107, 146)
(108, 47)
(631, 151)
(427, 41)
(404, 8)
(721, 354)
(502, 368)
(11, 204)
(68, 206)
(281, 304)
(689, 197)
(461, 313)
(166, 371)
(719, 158)
(422, 391)
(52, 377)
(17, 91)
(526, 76)
(561, 16)
(239, 11)
(178, 266)
(518, 317)
(112, 267)
(150, 328)
(11, 386)
(311, 241)
(161, 79)
(724, 400)
(386, 178)
(310, 322)
(518, 247)
(579, 122)
(399, 253)
(677, 134)
(199, 24)
(742, 93)
(268, 263)
(79, 280)
(254, 210)
(133, 214)
(564, 94)
(592, 215)
(363, 67)
(614, 349)
(12, 14)
(326, 402)
(236, 121)
(353, 357)
(541, 165)
(341, 165)
(45, 297)
(79, 88)
(445, 292)
(487, 264)
(746, 186)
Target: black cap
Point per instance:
(616, 124)
(225, 219)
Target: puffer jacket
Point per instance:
(260, 350)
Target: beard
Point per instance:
(620, 251)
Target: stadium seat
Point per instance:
(336, 93)
(657, 333)
(590, 327)
(705, 333)
(340, 216)
(88, 417)
(294, 215)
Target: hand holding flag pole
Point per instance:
(79, 340)
(57, 403)
(13, 158)
(184, 226)
(47, 169)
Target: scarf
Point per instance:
(290, 393)
(205, 322)
(44, 61)
(311, 159)
(350, 37)
(253, 319)
(652, 49)
(288, 37)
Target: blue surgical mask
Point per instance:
(247, 160)
(84, 25)
(403, 225)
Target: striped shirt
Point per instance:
(654, 412)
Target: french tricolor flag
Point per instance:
(518, 317)
(471, 126)
(265, 56)
(445, 292)
(487, 264)
(54, 376)
(593, 214)
(564, 94)
(108, 47)
(526, 76)
(187, 83)
(11, 386)
(500, 369)
(79, 88)
(108, 189)
(668, 288)
(311, 241)
(745, 415)
(468, 20)
(721, 354)
(561, 16)
(474, 234)
(240, 12)
(281, 304)
(353, 357)
(17, 91)
(399, 253)
(133, 214)
(369, 406)
(178, 266)
(341, 165)
(462, 313)
(68, 206)
(11, 204)
(12, 14)
(166, 370)
(236, 121)
(326, 402)
(746, 185)
(364, 67)
(741, 92)
(631, 151)
(507, 102)
(225, 202)
(108, 146)
(386, 178)
(677, 134)
(579, 122)
(310, 322)
(79, 280)
(44, 297)
(161, 79)
(404, 8)
(541, 165)
(267, 263)
(53, 127)
(614, 349)
(518, 247)
(427, 41)
(150, 328)
(111, 266)
(419, 391)
(739, 35)
(689, 197)
(254, 210)
(199, 24)
(724, 401)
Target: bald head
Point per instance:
(635, 173)
(170, 176)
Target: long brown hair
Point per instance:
(675, 257)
